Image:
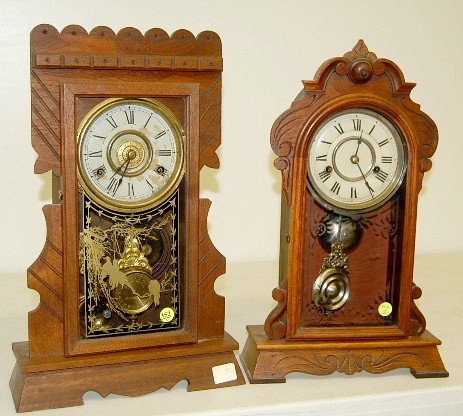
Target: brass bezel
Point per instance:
(179, 168)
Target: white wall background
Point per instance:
(268, 47)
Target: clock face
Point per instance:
(130, 153)
(356, 161)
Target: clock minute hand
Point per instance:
(370, 189)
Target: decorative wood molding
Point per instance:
(275, 327)
(210, 121)
(119, 61)
(211, 306)
(45, 122)
(45, 275)
(417, 319)
(35, 389)
(102, 48)
(348, 361)
(269, 361)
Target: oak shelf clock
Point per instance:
(352, 149)
(126, 277)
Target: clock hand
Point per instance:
(120, 168)
(370, 189)
(359, 141)
(354, 158)
(126, 164)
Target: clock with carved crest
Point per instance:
(126, 277)
(352, 149)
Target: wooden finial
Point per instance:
(360, 50)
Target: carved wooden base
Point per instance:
(268, 361)
(55, 382)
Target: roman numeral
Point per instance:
(113, 185)
(382, 176)
(149, 118)
(353, 192)
(371, 131)
(111, 121)
(357, 124)
(324, 175)
(384, 142)
(95, 154)
(321, 158)
(386, 159)
(339, 128)
(130, 189)
(130, 116)
(160, 135)
(165, 152)
(335, 188)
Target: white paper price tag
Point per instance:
(223, 373)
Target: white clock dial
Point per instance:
(130, 153)
(356, 161)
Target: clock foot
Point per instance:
(431, 371)
(269, 361)
(56, 382)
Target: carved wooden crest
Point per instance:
(357, 76)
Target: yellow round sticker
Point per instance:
(385, 309)
(166, 315)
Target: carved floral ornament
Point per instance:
(348, 361)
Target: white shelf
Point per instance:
(247, 288)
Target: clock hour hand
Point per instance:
(124, 166)
(359, 142)
(120, 168)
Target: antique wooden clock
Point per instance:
(126, 277)
(352, 149)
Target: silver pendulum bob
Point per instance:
(331, 289)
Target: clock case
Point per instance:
(296, 335)
(71, 72)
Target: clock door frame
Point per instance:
(74, 343)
